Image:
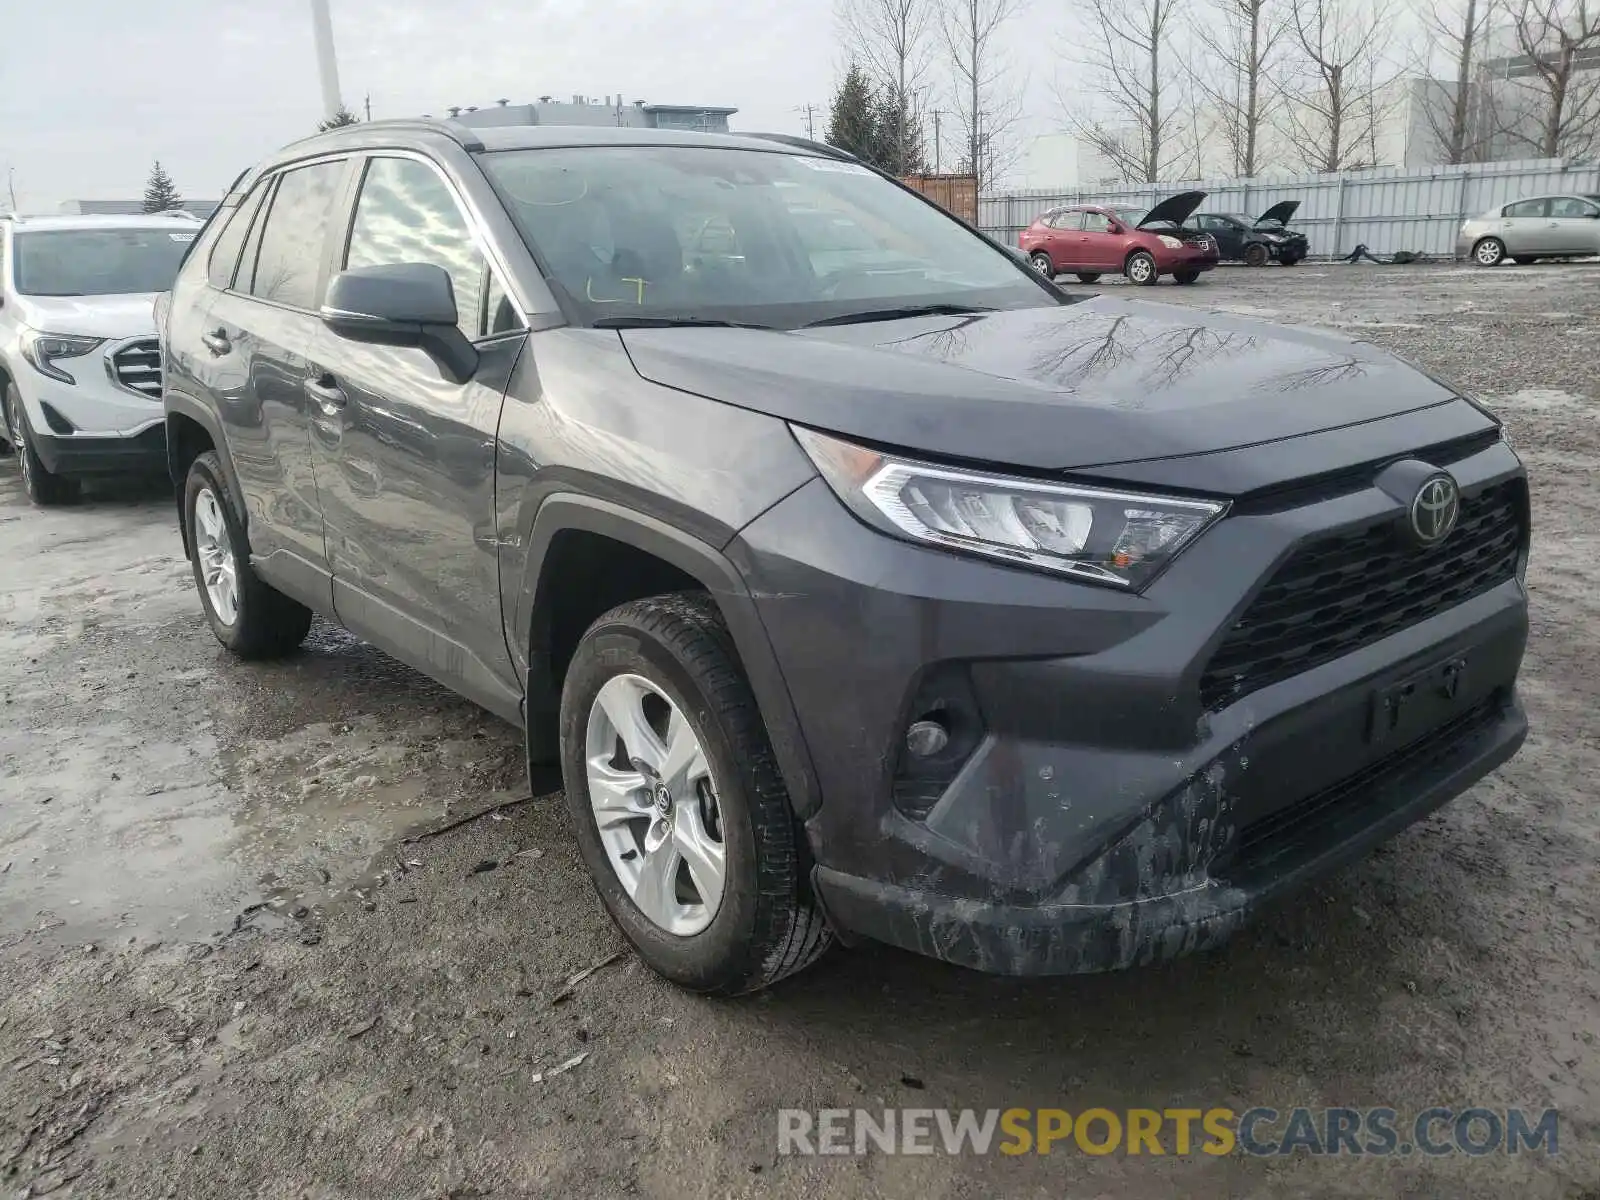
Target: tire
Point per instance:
(1040, 262)
(1141, 269)
(263, 623)
(1524, 260)
(44, 487)
(763, 924)
(1489, 252)
(1290, 260)
(1185, 277)
(1256, 255)
(1088, 276)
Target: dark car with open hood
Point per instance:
(860, 584)
(1256, 242)
(1142, 243)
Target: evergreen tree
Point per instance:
(853, 117)
(899, 134)
(343, 117)
(160, 193)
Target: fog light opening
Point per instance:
(926, 737)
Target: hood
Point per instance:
(1176, 209)
(97, 316)
(1098, 382)
(1279, 213)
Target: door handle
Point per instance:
(329, 395)
(217, 341)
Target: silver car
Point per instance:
(1542, 227)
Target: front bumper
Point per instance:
(78, 455)
(1102, 816)
(1188, 258)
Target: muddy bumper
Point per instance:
(1112, 915)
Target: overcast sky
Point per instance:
(92, 90)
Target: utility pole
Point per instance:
(368, 105)
(327, 64)
(810, 111)
(936, 140)
(11, 186)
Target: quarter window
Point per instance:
(289, 259)
(406, 214)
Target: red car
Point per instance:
(1144, 244)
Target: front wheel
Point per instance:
(680, 813)
(1088, 276)
(43, 486)
(1141, 269)
(1490, 252)
(1186, 277)
(1040, 262)
(247, 615)
(1256, 255)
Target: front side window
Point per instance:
(1571, 206)
(98, 262)
(406, 214)
(289, 259)
(1094, 222)
(757, 237)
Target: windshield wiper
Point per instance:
(672, 323)
(895, 314)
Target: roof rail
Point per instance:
(800, 143)
(454, 130)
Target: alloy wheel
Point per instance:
(1489, 252)
(219, 567)
(19, 445)
(655, 804)
(1139, 269)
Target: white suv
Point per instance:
(79, 362)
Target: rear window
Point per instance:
(99, 262)
(225, 252)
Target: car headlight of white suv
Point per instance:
(42, 350)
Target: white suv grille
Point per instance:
(137, 367)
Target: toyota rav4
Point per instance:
(885, 595)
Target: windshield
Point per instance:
(711, 234)
(98, 262)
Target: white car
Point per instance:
(80, 366)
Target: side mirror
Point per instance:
(405, 304)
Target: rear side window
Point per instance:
(225, 251)
(1067, 220)
(1528, 208)
(406, 214)
(289, 259)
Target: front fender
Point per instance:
(181, 404)
(563, 512)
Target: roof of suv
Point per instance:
(106, 221)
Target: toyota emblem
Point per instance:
(1434, 510)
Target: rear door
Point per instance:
(1524, 227)
(1065, 229)
(1573, 226)
(406, 458)
(259, 337)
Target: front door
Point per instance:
(405, 457)
(258, 332)
(1099, 248)
(1228, 234)
(1574, 226)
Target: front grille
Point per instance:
(1279, 833)
(137, 367)
(1340, 593)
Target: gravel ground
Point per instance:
(233, 961)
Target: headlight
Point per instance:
(1118, 538)
(42, 349)
(1272, 237)
(1171, 243)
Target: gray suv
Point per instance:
(888, 594)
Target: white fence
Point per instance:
(1387, 209)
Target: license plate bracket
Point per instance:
(1408, 707)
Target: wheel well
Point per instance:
(583, 576)
(1128, 258)
(187, 440)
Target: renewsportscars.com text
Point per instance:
(1175, 1131)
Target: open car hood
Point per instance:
(1098, 382)
(1278, 214)
(1176, 209)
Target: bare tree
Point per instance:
(986, 92)
(1557, 71)
(1238, 43)
(893, 41)
(1135, 119)
(1333, 104)
(1454, 106)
